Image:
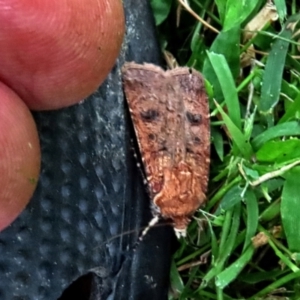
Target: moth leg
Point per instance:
(151, 224)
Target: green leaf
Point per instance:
(221, 5)
(230, 273)
(227, 84)
(292, 112)
(238, 138)
(288, 128)
(229, 234)
(276, 284)
(272, 78)
(176, 281)
(161, 10)
(281, 9)
(282, 255)
(279, 151)
(292, 63)
(237, 12)
(271, 212)
(218, 142)
(252, 217)
(230, 199)
(226, 44)
(290, 209)
(250, 173)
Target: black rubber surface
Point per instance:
(90, 190)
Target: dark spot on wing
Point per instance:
(189, 150)
(151, 136)
(197, 140)
(194, 119)
(149, 115)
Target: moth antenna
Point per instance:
(114, 238)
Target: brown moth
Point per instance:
(170, 114)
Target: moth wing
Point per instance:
(144, 87)
(196, 136)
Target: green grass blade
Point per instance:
(293, 111)
(229, 234)
(227, 84)
(230, 199)
(288, 128)
(292, 63)
(214, 242)
(273, 286)
(279, 151)
(290, 209)
(230, 273)
(222, 191)
(226, 44)
(283, 257)
(281, 9)
(221, 5)
(238, 138)
(237, 12)
(271, 212)
(272, 77)
(218, 142)
(176, 281)
(161, 10)
(252, 217)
